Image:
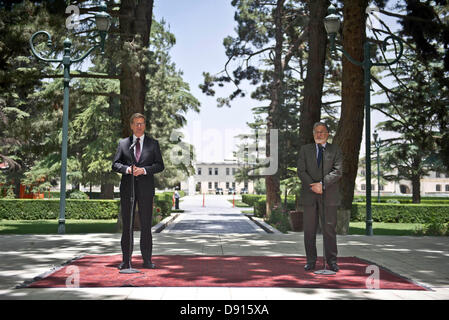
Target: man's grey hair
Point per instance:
(135, 116)
(317, 124)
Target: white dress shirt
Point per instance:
(128, 170)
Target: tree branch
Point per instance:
(81, 75)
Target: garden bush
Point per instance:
(30, 209)
(404, 213)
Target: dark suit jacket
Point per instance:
(150, 159)
(309, 172)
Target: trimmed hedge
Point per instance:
(34, 209)
(30, 209)
(164, 201)
(251, 199)
(405, 213)
(381, 212)
(403, 199)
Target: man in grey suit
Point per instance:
(316, 193)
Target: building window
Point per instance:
(363, 186)
(438, 187)
(437, 174)
(227, 171)
(446, 187)
(209, 185)
(233, 185)
(381, 188)
(227, 185)
(216, 171)
(199, 171)
(362, 172)
(233, 171)
(216, 185)
(246, 184)
(210, 171)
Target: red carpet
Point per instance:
(220, 271)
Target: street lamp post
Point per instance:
(332, 25)
(377, 142)
(103, 22)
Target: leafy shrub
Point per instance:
(77, 194)
(405, 213)
(30, 209)
(279, 220)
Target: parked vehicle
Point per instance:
(244, 191)
(218, 190)
(231, 191)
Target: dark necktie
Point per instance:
(138, 149)
(320, 155)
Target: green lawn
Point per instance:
(387, 229)
(239, 203)
(109, 226)
(51, 226)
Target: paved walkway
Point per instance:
(425, 260)
(217, 216)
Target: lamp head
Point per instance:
(103, 19)
(332, 21)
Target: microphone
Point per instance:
(133, 145)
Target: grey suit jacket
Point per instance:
(309, 172)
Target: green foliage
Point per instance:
(402, 199)
(164, 202)
(279, 220)
(77, 194)
(407, 213)
(31, 109)
(28, 209)
(250, 199)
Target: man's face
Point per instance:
(320, 135)
(138, 127)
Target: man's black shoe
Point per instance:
(148, 265)
(123, 265)
(309, 266)
(334, 267)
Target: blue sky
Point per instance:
(200, 27)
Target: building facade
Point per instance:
(434, 184)
(216, 175)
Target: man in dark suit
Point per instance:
(314, 194)
(148, 161)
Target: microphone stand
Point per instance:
(130, 269)
(323, 219)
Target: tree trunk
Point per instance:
(107, 191)
(272, 182)
(416, 189)
(350, 126)
(313, 86)
(135, 25)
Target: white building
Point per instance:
(435, 184)
(213, 175)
